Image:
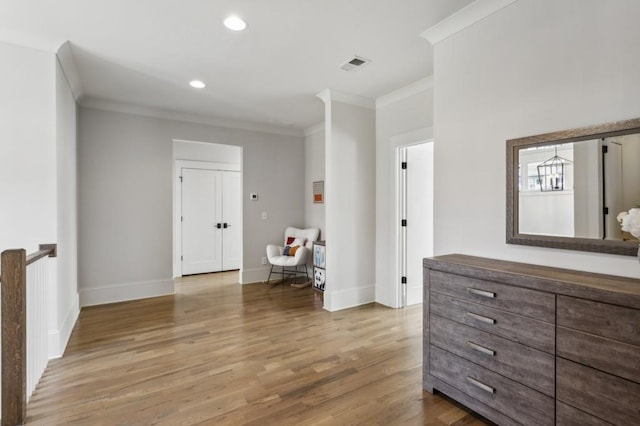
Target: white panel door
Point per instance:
(201, 213)
(232, 220)
(419, 214)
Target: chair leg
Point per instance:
(269, 279)
(296, 273)
(305, 274)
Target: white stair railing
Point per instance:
(25, 284)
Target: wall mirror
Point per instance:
(565, 189)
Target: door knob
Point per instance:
(226, 225)
(218, 225)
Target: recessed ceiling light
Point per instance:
(234, 23)
(197, 84)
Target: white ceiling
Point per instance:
(144, 52)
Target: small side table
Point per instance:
(319, 265)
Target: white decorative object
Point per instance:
(630, 222)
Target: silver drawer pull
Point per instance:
(481, 318)
(481, 385)
(482, 293)
(481, 349)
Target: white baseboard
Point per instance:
(385, 297)
(387, 304)
(414, 295)
(124, 292)
(58, 339)
(254, 275)
(343, 299)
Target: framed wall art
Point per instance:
(318, 192)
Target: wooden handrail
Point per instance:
(44, 250)
(14, 331)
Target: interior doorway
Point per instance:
(415, 224)
(208, 208)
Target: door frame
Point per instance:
(608, 220)
(398, 142)
(177, 204)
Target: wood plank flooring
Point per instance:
(218, 353)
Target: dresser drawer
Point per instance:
(597, 393)
(530, 303)
(506, 396)
(602, 319)
(525, 330)
(566, 415)
(521, 363)
(607, 355)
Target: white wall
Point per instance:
(27, 150)
(28, 213)
(67, 206)
(404, 121)
(546, 213)
(125, 199)
(38, 174)
(314, 160)
(533, 67)
(349, 205)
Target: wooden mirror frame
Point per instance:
(616, 128)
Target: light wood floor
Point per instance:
(221, 353)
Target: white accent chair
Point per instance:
(289, 265)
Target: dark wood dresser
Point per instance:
(532, 345)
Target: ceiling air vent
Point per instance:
(355, 63)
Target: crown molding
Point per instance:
(315, 128)
(331, 95)
(347, 98)
(464, 18)
(70, 70)
(62, 52)
(414, 88)
(325, 96)
(108, 105)
(29, 41)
